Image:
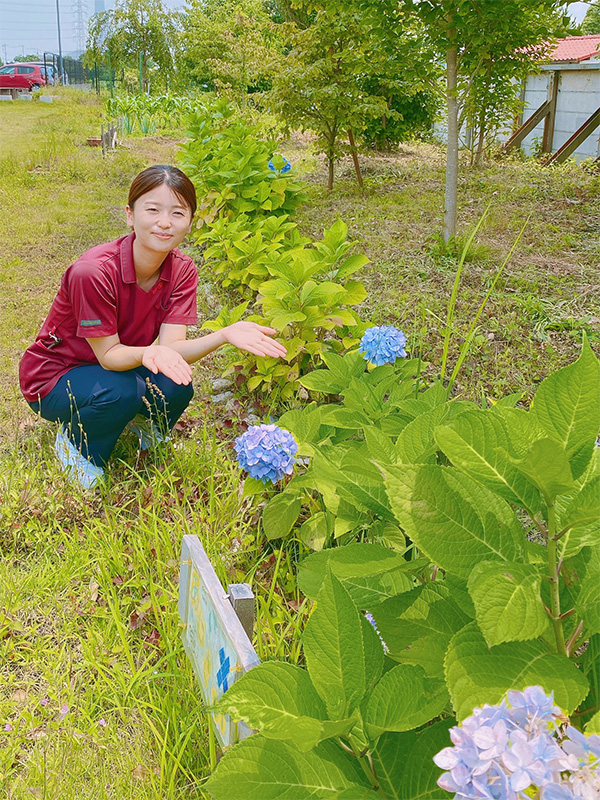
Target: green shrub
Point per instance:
(304, 291)
(228, 162)
(491, 585)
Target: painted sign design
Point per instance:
(213, 637)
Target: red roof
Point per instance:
(576, 48)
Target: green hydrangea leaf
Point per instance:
(279, 700)
(334, 650)
(567, 406)
(507, 601)
(587, 602)
(266, 769)
(404, 763)
(454, 520)
(584, 508)
(323, 380)
(593, 725)
(416, 444)
(364, 569)
(374, 654)
(404, 698)
(547, 466)
(417, 626)
(280, 514)
(476, 443)
(478, 674)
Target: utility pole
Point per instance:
(60, 58)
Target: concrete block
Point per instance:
(5, 97)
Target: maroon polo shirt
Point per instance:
(99, 296)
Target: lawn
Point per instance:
(97, 699)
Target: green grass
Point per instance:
(88, 583)
(547, 295)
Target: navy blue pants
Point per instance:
(95, 404)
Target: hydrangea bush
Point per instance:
(472, 549)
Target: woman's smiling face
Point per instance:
(159, 219)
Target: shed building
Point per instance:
(563, 100)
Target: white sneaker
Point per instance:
(88, 475)
(147, 432)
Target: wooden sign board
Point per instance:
(213, 636)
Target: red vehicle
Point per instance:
(22, 76)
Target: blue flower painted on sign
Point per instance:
(224, 670)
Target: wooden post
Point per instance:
(548, 137)
(526, 128)
(103, 139)
(580, 135)
(241, 598)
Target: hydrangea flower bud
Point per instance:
(266, 452)
(382, 344)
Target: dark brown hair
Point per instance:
(174, 178)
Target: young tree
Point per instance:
(137, 35)
(467, 35)
(591, 21)
(228, 45)
(340, 72)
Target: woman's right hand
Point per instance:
(159, 358)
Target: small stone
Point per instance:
(221, 384)
(223, 397)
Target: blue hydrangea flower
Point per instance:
(517, 750)
(369, 618)
(533, 706)
(266, 452)
(584, 747)
(285, 168)
(557, 791)
(382, 344)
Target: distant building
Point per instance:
(566, 92)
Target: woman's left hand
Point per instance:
(253, 338)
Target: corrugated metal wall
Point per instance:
(578, 98)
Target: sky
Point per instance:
(29, 26)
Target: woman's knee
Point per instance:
(164, 394)
(119, 394)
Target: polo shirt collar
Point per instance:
(128, 268)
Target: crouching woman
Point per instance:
(113, 351)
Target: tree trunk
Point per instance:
(452, 149)
(359, 177)
(480, 142)
(481, 126)
(330, 169)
